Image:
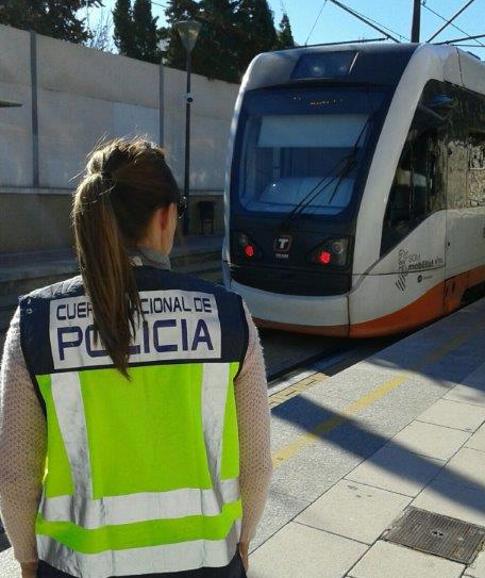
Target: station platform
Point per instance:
(394, 442)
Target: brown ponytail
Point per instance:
(125, 182)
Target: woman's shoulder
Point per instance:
(67, 287)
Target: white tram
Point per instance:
(355, 190)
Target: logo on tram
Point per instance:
(282, 244)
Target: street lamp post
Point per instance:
(162, 45)
(189, 32)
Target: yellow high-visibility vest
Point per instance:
(141, 474)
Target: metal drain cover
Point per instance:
(436, 534)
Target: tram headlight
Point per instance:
(332, 253)
(324, 65)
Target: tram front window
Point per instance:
(298, 145)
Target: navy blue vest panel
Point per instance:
(186, 320)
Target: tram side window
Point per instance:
(476, 170)
(413, 194)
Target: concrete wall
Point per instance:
(84, 96)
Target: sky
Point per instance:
(318, 21)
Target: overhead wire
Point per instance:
(381, 25)
(425, 5)
(159, 5)
(451, 20)
(463, 39)
(370, 22)
(316, 21)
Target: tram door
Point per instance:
(456, 244)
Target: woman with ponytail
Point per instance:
(134, 423)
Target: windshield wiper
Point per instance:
(348, 163)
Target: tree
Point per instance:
(285, 35)
(256, 30)
(135, 31)
(232, 33)
(124, 33)
(145, 31)
(215, 55)
(50, 17)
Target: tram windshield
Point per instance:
(294, 144)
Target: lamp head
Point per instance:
(189, 32)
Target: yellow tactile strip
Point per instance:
(295, 389)
(284, 454)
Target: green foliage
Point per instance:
(233, 32)
(124, 33)
(145, 31)
(50, 17)
(256, 30)
(215, 55)
(135, 30)
(285, 35)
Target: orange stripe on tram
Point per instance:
(438, 301)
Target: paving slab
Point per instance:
(454, 500)
(386, 560)
(453, 414)
(309, 471)
(397, 470)
(9, 567)
(477, 441)
(297, 551)
(477, 567)
(466, 468)
(472, 388)
(280, 509)
(468, 394)
(431, 440)
(355, 511)
(461, 362)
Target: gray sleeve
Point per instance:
(251, 391)
(22, 447)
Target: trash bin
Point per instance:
(206, 215)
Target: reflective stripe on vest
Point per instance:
(138, 561)
(108, 508)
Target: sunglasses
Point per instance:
(182, 207)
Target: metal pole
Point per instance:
(161, 105)
(447, 23)
(35, 116)
(416, 21)
(188, 102)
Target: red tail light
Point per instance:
(249, 251)
(324, 257)
(246, 247)
(333, 252)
